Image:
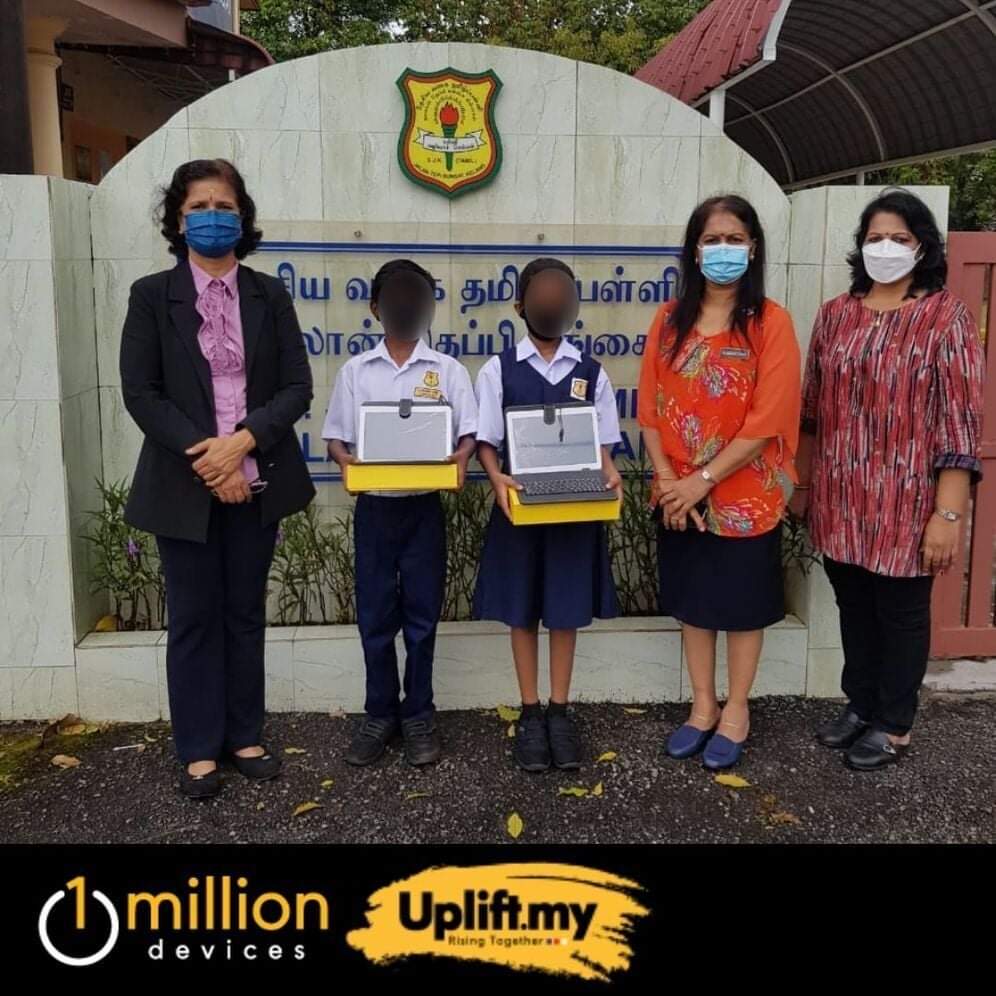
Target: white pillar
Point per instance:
(717, 108)
(43, 92)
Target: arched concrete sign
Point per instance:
(354, 157)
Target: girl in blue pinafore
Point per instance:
(559, 575)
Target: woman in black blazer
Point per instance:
(215, 373)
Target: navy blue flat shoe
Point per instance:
(687, 741)
(721, 752)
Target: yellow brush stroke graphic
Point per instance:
(563, 919)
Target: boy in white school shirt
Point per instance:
(399, 537)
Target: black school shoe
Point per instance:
(874, 750)
(258, 769)
(371, 740)
(532, 744)
(200, 786)
(421, 741)
(565, 740)
(842, 731)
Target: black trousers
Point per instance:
(400, 577)
(216, 608)
(885, 630)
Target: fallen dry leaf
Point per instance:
(151, 740)
(609, 755)
(295, 750)
(306, 807)
(106, 624)
(510, 732)
(260, 805)
(508, 714)
(514, 825)
(597, 790)
(418, 795)
(784, 819)
(732, 781)
(633, 711)
(576, 790)
(65, 761)
(328, 783)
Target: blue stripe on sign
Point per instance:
(478, 249)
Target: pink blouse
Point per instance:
(220, 339)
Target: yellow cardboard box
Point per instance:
(401, 477)
(554, 512)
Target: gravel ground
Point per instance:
(799, 792)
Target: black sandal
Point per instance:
(261, 768)
(200, 786)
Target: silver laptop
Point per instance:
(405, 432)
(554, 453)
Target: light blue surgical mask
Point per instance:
(724, 264)
(213, 233)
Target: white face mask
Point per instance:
(888, 261)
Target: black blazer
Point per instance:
(166, 384)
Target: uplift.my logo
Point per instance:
(218, 916)
(555, 918)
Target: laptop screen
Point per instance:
(425, 436)
(569, 443)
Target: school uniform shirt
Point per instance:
(491, 420)
(723, 387)
(426, 376)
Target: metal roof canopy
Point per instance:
(816, 90)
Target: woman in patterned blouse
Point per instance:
(892, 408)
(719, 408)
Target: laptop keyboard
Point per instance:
(587, 485)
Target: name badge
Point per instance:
(428, 392)
(732, 353)
(579, 388)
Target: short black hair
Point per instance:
(931, 272)
(172, 197)
(397, 266)
(538, 266)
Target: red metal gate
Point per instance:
(963, 623)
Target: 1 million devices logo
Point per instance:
(78, 886)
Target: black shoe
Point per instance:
(260, 769)
(874, 750)
(842, 731)
(200, 786)
(532, 746)
(421, 741)
(565, 740)
(371, 740)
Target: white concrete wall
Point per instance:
(49, 441)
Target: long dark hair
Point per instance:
(931, 272)
(692, 284)
(173, 196)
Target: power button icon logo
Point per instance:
(78, 887)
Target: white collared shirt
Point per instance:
(427, 375)
(491, 418)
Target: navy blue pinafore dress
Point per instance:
(560, 574)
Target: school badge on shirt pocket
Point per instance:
(579, 388)
(431, 378)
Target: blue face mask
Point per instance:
(213, 233)
(723, 264)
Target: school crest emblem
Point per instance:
(431, 378)
(449, 141)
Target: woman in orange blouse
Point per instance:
(719, 404)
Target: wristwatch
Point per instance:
(707, 477)
(947, 515)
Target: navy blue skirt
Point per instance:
(721, 583)
(560, 575)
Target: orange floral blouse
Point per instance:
(720, 388)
